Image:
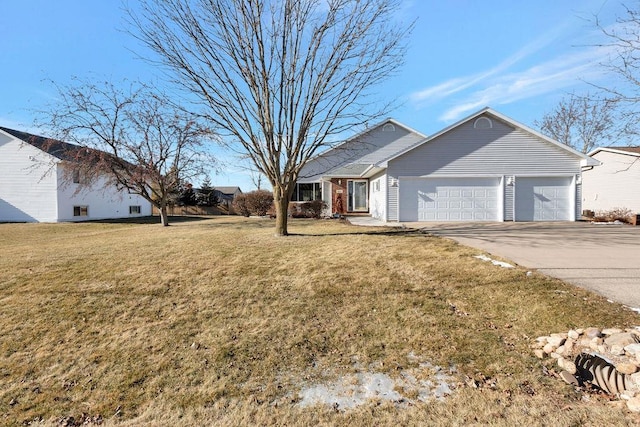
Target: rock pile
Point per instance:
(606, 358)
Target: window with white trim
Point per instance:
(306, 192)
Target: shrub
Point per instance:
(258, 202)
(615, 214)
(314, 208)
(240, 205)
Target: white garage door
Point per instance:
(449, 199)
(543, 199)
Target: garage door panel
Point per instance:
(543, 199)
(449, 199)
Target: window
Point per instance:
(376, 185)
(134, 210)
(483, 123)
(307, 192)
(76, 176)
(388, 128)
(81, 211)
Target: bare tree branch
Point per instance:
(280, 77)
(136, 138)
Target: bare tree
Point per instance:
(624, 62)
(279, 77)
(136, 138)
(581, 122)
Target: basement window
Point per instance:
(81, 211)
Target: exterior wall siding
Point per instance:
(102, 200)
(378, 196)
(33, 189)
(614, 184)
(508, 198)
(466, 151)
(27, 183)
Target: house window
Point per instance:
(133, 210)
(307, 192)
(388, 128)
(81, 211)
(376, 185)
(76, 176)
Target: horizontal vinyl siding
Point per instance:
(467, 152)
(371, 148)
(500, 150)
(508, 199)
(28, 183)
(614, 184)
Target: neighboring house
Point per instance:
(227, 195)
(614, 184)
(38, 183)
(486, 167)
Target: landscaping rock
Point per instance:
(634, 404)
(557, 340)
(626, 368)
(622, 339)
(593, 333)
(611, 331)
(574, 335)
(539, 353)
(617, 350)
(569, 378)
(548, 348)
(632, 349)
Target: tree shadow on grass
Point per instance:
(151, 220)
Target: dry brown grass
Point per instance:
(218, 322)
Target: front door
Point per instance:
(357, 195)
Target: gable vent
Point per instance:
(483, 123)
(388, 128)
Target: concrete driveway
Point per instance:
(602, 258)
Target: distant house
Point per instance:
(227, 195)
(486, 167)
(615, 183)
(39, 183)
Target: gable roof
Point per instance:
(228, 190)
(361, 161)
(58, 149)
(627, 151)
(586, 160)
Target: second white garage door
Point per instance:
(543, 199)
(449, 199)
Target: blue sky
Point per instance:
(518, 57)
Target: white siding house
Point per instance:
(615, 183)
(486, 167)
(34, 186)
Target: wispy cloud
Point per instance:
(458, 84)
(500, 85)
(550, 76)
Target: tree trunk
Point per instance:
(164, 218)
(281, 202)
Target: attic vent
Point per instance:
(388, 128)
(483, 123)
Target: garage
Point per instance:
(450, 199)
(544, 199)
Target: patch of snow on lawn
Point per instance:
(356, 389)
(494, 262)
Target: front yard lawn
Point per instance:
(216, 321)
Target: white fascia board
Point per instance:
(612, 150)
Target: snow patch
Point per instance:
(356, 389)
(494, 262)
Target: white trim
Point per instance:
(612, 150)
